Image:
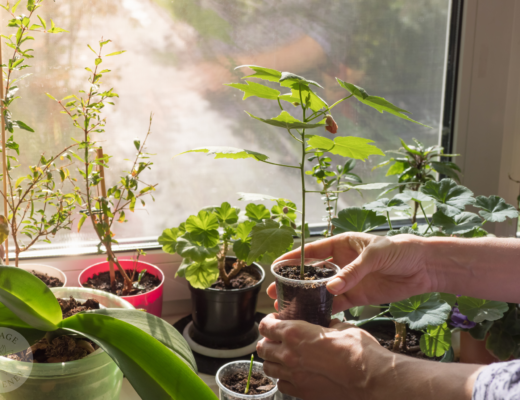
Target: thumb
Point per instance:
(349, 276)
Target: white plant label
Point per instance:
(16, 373)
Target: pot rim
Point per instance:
(162, 276)
(259, 283)
(300, 282)
(243, 395)
(28, 266)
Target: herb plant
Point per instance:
(313, 112)
(107, 206)
(37, 206)
(205, 239)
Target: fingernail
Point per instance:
(336, 285)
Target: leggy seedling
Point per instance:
(249, 375)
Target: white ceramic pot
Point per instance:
(46, 269)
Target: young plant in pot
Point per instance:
(36, 203)
(224, 289)
(104, 205)
(428, 313)
(150, 353)
(301, 283)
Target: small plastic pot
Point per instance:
(151, 301)
(304, 300)
(46, 269)
(242, 366)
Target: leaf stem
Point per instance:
(250, 372)
(389, 222)
(302, 170)
(280, 165)
(427, 220)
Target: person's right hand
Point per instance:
(375, 269)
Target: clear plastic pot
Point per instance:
(242, 366)
(307, 300)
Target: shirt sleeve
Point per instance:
(499, 381)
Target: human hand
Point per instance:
(312, 362)
(375, 269)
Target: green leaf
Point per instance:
(461, 223)
(270, 237)
(255, 197)
(52, 98)
(379, 103)
(43, 22)
(116, 53)
(355, 219)
(19, 181)
(242, 246)
(202, 275)
(378, 186)
(266, 74)
(478, 310)
(436, 340)
(189, 246)
(309, 98)
(253, 89)
(149, 366)
(257, 212)
(408, 195)
(501, 344)
(397, 168)
(168, 239)
(385, 205)
(451, 299)
(475, 233)
(444, 168)
(288, 217)
(98, 61)
(288, 79)
(356, 311)
(481, 330)
(495, 209)
(286, 120)
(226, 214)
(23, 125)
(450, 197)
(228, 152)
(346, 146)
(404, 230)
(26, 302)
(203, 227)
(185, 264)
(420, 311)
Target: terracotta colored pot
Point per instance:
(473, 351)
(151, 301)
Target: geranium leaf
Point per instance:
(204, 228)
(480, 331)
(188, 246)
(408, 195)
(500, 343)
(355, 219)
(253, 89)
(451, 198)
(495, 209)
(168, 240)
(346, 146)
(257, 212)
(459, 224)
(436, 340)
(202, 274)
(386, 205)
(226, 214)
(421, 311)
(286, 120)
(445, 169)
(479, 310)
(228, 152)
(404, 230)
(270, 237)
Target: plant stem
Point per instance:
(427, 220)
(302, 171)
(249, 376)
(400, 337)
(282, 165)
(389, 222)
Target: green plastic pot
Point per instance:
(95, 377)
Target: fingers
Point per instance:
(270, 351)
(349, 276)
(320, 249)
(277, 371)
(271, 327)
(271, 291)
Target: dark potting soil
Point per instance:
(311, 273)
(102, 282)
(247, 277)
(50, 281)
(62, 348)
(258, 384)
(385, 336)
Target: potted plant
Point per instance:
(430, 313)
(158, 366)
(36, 204)
(113, 202)
(224, 289)
(300, 285)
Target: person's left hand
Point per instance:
(312, 362)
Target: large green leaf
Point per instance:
(421, 311)
(459, 224)
(436, 340)
(409, 195)
(266, 74)
(495, 209)
(387, 205)
(204, 228)
(479, 310)
(309, 98)
(226, 214)
(270, 237)
(481, 330)
(346, 146)
(355, 219)
(257, 212)
(286, 120)
(203, 274)
(185, 264)
(228, 152)
(26, 301)
(446, 168)
(500, 343)
(288, 79)
(189, 246)
(242, 245)
(379, 103)
(451, 198)
(154, 371)
(253, 89)
(284, 212)
(168, 239)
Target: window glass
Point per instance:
(179, 55)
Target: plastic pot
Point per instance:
(46, 269)
(225, 318)
(95, 377)
(151, 301)
(304, 300)
(242, 366)
(473, 351)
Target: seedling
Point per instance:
(249, 375)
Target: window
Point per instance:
(181, 52)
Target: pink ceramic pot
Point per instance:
(151, 301)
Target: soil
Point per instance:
(62, 348)
(311, 303)
(50, 281)
(247, 277)
(102, 282)
(258, 384)
(385, 334)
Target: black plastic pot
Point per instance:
(225, 318)
(304, 300)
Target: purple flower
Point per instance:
(459, 320)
